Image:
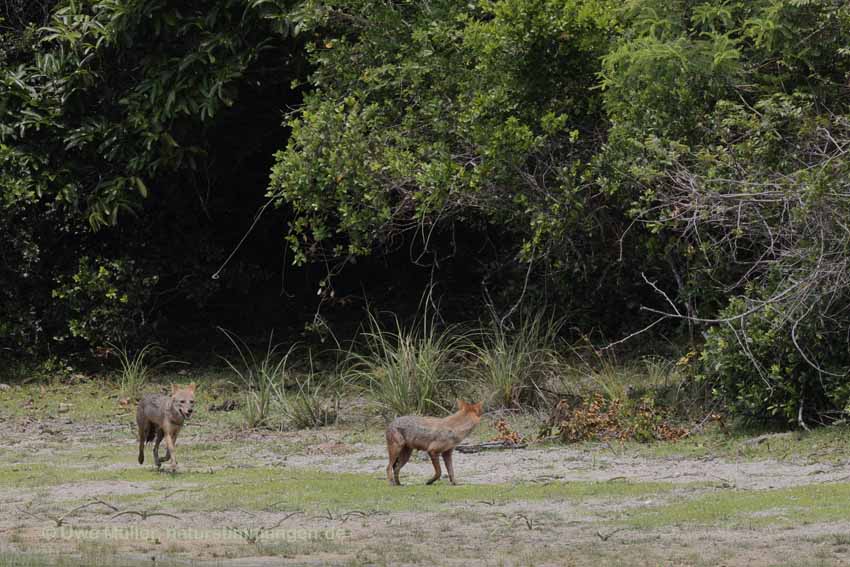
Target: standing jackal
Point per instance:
(161, 417)
(437, 436)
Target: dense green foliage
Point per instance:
(424, 111)
(731, 120)
(119, 111)
(426, 115)
(520, 151)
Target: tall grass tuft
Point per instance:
(513, 367)
(408, 370)
(614, 379)
(136, 369)
(307, 401)
(261, 377)
(276, 394)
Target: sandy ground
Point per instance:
(566, 464)
(516, 533)
(327, 450)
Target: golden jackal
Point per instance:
(161, 417)
(437, 436)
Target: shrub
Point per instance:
(755, 367)
(599, 418)
(105, 301)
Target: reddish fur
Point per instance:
(437, 436)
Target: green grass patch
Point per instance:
(823, 445)
(58, 466)
(97, 401)
(85, 401)
(40, 475)
(314, 491)
(270, 488)
(789, 506)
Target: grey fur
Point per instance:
(161, 417)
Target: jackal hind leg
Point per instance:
(142, 437)
(403, 457)
(156, 460)
(393, 452)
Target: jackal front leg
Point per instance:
(169, 446)
(435, 460)
(447, 457)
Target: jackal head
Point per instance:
(472, 409)
(183, 399)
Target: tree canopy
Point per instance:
(677, 166)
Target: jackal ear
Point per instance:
(461, 405)
(478, 408)
(174, 388)
(191, 387)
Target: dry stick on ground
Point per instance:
(529, 522)
(277, 503)
(329, 515)
(254, 515)
(143, 514)
(510, 520)
(489, 445)
(60, 520)
(173, 492)
(604, 537)
(358, 514)
(545, 479)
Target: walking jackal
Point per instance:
(161, 417)
(437, 436)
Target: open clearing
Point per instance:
(320, 496)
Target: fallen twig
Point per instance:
(60, 520)
(143, 514)
(529, 522)
(604, 537)
(490, 446)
